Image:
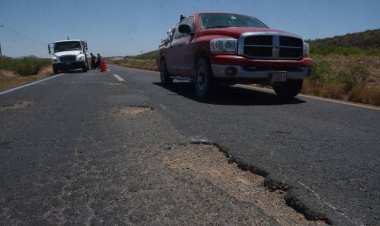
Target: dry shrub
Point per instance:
(329, 90)
(309, 87)
(137, 63)
(9, 79)
(7, 74)
(352, 76)
(367, 95)
(333, 90)
(48, 70)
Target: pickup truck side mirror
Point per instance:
(185, 28)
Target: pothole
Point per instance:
(134, 110)
(206, 161)
(24, 104)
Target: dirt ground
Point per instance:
(8, 79)
(208, 163)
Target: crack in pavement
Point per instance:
(207, 162)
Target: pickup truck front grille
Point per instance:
(270, 46)
(67, 58)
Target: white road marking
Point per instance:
(29, 84)
(318, 98)
(328, 204)
(163, 106)
(108, 70)
(120, 79)
(342, 102)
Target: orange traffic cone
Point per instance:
(103, 66)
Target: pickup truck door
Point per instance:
(173, 63)
(178, 53)
(187, 49)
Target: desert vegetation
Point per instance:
(146, 61)
(132, 62)
(353, 78)
(25, 66)
(346, 67)
(22, 70)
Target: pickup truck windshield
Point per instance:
(221, 20)
(67, 46)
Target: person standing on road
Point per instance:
(93, 58)
(99, 61)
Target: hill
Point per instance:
(364, 40)
(146, 56)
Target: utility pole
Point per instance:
(1, 52)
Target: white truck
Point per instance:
(69, 55)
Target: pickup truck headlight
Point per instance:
(54, 59)
(223, 46)
(306, 49)
(81, 58)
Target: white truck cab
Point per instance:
(69, 55)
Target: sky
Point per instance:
(131, 27)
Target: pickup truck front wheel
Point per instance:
(55, 70)
(203, 78)
(288, 89)
(164, 74)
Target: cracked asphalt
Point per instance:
(85, 149)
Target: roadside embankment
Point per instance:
(14, 72)
(350, 78)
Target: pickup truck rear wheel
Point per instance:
(203, 78)
(288, 89)
(164, 74)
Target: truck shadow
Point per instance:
(230, 95)
(74, 71)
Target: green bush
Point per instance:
(321, 72)
(373, 52)
(323, 75)
(352, 76)
(25, 66)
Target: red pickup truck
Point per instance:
(215, 48)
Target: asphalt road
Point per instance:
(72, 152)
